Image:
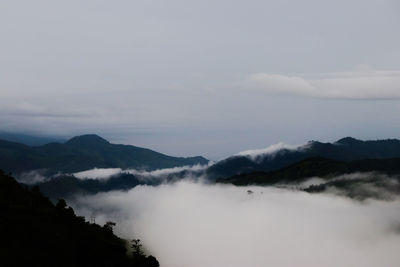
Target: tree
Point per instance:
(61, 204)
(136, 247)
(140, 258)
(152, 261)
(109, 226)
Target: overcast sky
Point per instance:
(201, 77)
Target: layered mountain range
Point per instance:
(281, 165)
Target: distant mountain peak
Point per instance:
(348, 141)
(87, 139)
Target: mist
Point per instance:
(98, 173)
(257, 154)
(159, 174)
(33, 176)
(190, 224)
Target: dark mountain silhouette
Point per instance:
(34, 232)
(346, 149)
(85, 152)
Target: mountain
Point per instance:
(29, 140)
(35, 232)
(346, 149)
(85, 152)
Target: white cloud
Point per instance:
(359, 84)
(160, 173)
(196, 225)
(98, 173)
(271, 150)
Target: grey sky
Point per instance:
(201, 77)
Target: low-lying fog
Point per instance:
(191, 224)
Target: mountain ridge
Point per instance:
(345, 149)
(85, 152)
(315, 167)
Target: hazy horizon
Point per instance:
(247, 152)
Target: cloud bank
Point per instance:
(361, 84)
(98, 173)
(107, 173)
(160, 173)
(190, 224)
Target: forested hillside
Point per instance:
(34, 232)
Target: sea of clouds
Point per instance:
(191, 224)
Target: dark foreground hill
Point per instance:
(346, 149)
(34, 232)
(85, 152)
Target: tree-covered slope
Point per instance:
(85, 152)
(34, 232)
(315, 167)
(66, 186)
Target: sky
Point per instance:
(209, 78)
